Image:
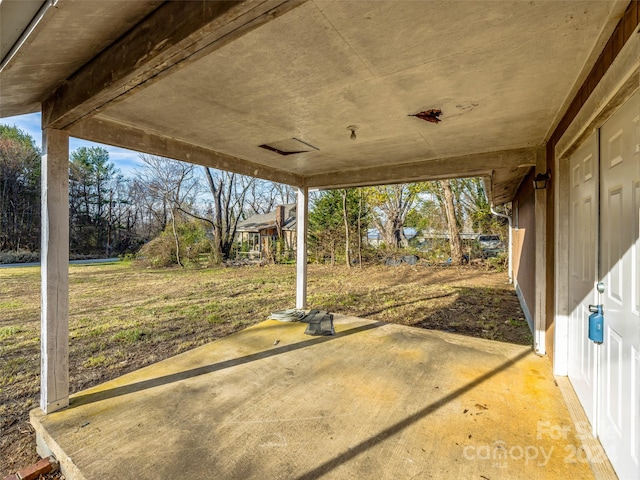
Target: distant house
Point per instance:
(257, 235)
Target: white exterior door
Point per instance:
(619, 384)
(583, 259)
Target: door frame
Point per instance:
(618, 84)
(593, 146)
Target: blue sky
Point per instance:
(125, 160)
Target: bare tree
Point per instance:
(172, 185)
(391, 204)
(263, 196)
(229, 191)
(149, 210)
(452, 223)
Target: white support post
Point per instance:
(540, 263)
(54, 255)
(302, 218)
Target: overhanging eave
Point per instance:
(505, 169)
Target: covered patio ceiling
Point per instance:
(212, 82)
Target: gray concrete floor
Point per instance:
(376, 401)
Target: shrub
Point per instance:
(161, 251)
(498, 262)
(19, 257)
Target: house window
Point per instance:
(254, 242)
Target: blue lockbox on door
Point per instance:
(596, 323)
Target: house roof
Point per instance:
(234, 85)
(257, 223)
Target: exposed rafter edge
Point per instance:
(521, 181)
(474, 165)
(175, 33)
(124, 136)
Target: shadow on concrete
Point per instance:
(489, 312)
(178, 376)
(405, 304)
(362, 447)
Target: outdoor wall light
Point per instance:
(541, 179)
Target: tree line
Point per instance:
(340, 219)
(177, 211)
(19, 190)
(110, 214)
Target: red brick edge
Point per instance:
(32, 472)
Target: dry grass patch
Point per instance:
(123, 318)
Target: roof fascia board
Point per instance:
(488, 190)
(474, 165)
(124, 136)
(174, 33)
(27, 35)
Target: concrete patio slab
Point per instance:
(375, 401)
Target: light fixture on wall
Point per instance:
(541, 180)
